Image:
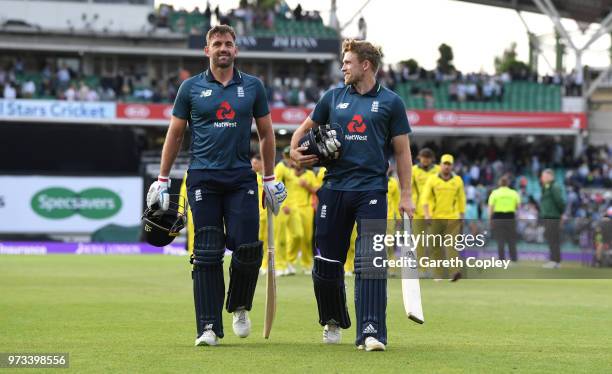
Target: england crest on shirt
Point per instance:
(374, 106)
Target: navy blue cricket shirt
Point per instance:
(220, 118)
(369, 122)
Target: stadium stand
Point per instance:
(517, 96)
(279, 21)
(488, 93)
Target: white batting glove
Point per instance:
(332, 144)
(274, 193)
(158, 196)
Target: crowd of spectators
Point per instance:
(473, 86)
(586, 178)
(296, 92)
(245, 18)
(592, 168)
(65, 83)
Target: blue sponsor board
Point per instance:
(56, 109)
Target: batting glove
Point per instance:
(332, 145)
(274, 193)
(158, 196)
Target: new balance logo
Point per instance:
(251, 192)
(205, 93)
(374, 106)
(323, 211)
(342, 106)
(373, 202)
(198, 195)
(370, 329)
(240, 91)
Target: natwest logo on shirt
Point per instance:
(225, 113)
(356, 127)
(357, 124)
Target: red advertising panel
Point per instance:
(144, 111)
(451, 118)
(417, 118)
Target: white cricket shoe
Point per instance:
(290, 269)
(372, 344)
(208, 337)
(551, 265)
(332, 334)
(241, 323)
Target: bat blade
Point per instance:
(270, 281)
(411, 287)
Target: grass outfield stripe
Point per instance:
(135, 314)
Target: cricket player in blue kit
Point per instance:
(373, 126)
(219, 105)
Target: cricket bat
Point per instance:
(270, 280)
(411, 288)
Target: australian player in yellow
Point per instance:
(393, 197)
(301, 212)
(284, 221)
(420, 174)
(257, 166)
(181, 208)
(444, 207)
(393, 215)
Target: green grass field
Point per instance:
(134, 314)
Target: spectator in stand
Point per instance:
(28, 89)
(164, 11)
(71, 93)
(47, 87)
(363, 28)
(207, 16)
(453, 92)
(18, 67)
(297, 12)
(63, 78)
(107, 94)
(430, 102)
(92, 95)
(282, 9)
(471, 91)
(461, 92)
(10, 92)
(83, 92)
(489, 90)
(217, 14)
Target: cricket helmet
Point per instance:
(160, 227)
(318, 140)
